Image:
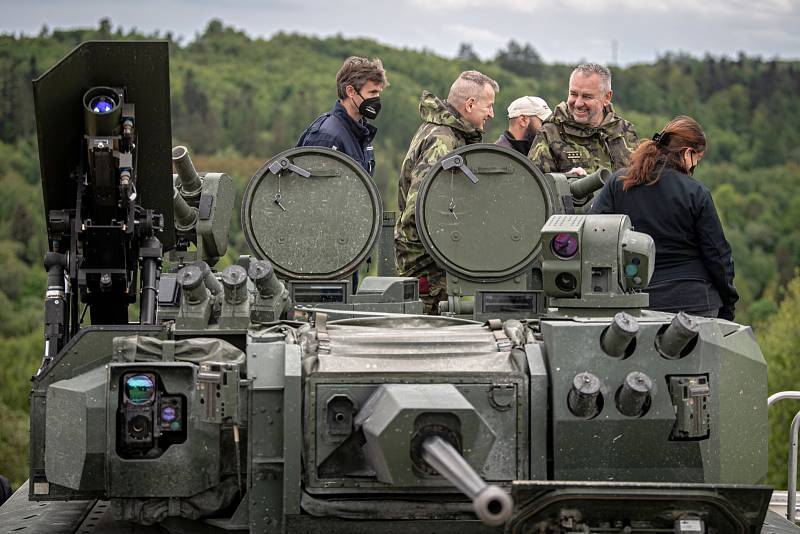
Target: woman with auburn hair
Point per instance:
(693, 268)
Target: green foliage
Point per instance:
(780, 342)
(14, 445)
(466, 53)
(237, 101)
(519, 59)
(758, 209)
(21, 356)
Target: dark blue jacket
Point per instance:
(694, 268)
(337, 130)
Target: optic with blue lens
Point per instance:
(102, 104)
(169, 413)
(140, 389)
(632, 269)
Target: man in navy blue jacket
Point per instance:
(345, 128)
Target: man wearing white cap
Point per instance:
(525, 117)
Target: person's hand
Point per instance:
(727, 312)
(577, 171)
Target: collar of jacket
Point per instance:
(522, 146)
(363, 130)
(436, 111)
(611, 125)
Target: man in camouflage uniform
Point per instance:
(446, 126)
(584, 133)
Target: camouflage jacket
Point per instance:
(442, 131)
(563, 144)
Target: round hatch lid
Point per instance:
(480, 212)
(313, 212)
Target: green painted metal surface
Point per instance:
(325, 224)
(489, 230)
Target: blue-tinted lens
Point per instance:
(565, 245)
(102, 104)
(631, 270)
(140, 389)
(168, 413)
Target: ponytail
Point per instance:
(648, 161)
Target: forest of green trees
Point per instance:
(237, 101)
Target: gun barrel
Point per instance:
(190, 180)
(492, 505)
(583, 187)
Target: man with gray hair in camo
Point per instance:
(446, 125)
(585, 133)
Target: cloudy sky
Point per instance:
(562, 31)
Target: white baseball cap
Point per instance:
(529, 105)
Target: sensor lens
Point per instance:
(565, 246)
(139, 427)
(140, 389)
(102, 104)
(566, 282)
(168, 413)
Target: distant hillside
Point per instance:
(237, 101)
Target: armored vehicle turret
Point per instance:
(286, 395)
(316, 216)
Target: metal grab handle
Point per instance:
(457, 162)
(494, 170)
(775, 397)
(324, 173)
(791, 485)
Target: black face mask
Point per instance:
(370, 107)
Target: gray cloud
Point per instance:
(567, 32)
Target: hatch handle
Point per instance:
(507, 169)
(457, 162)
(284, 164)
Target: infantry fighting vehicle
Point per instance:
(285, 394)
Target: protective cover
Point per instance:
(480, 212)
(142, 68)
(313, 212)
(194, 350)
